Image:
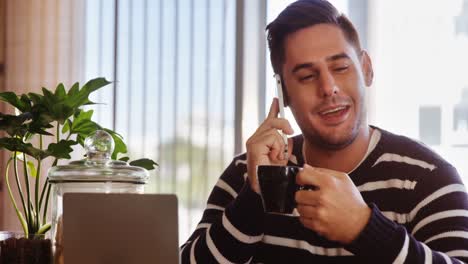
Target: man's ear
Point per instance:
(367, 70)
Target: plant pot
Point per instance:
(15, 248)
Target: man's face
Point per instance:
(325, 83)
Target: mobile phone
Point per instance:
(279, 92)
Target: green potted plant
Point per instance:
(43, 129)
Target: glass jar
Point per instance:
(97, 173)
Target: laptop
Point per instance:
(101, 228)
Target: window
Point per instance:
(172, 63)
(419, 54)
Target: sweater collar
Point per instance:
(297, 156)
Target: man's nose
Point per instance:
(327, 84)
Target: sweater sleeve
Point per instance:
(437, 231)
(232, 222)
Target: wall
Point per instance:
(2, 80)
(42, 46)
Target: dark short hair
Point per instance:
(302, 14)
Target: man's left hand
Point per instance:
(335, 209)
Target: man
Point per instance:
(380, 197)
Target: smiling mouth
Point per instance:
(333, 111)
(333, 116)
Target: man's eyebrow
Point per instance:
(302, 66)
(311, 64)
(338, 57)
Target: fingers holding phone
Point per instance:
(267, 146)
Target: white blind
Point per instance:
(172, 63)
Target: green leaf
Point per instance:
(26, 101)
(80, 98)
(85, 127)
(61, 112)
(42, 117)
(82, 125)
(15, 125)
(11, 98)
(60, 93)
(48, 96)
(124, 159)
(32, 169)
(60, 106)
(28, 136)
(41, 120)
(66, 126)
(54, 105)
(74, 89)
(93, 103)
(36, 98)
(39, 131)
(16, 144)
(120, 146)
(144, 163)
(60, 109)
(80, 139)
(81, 117)
(44, 228)
(62, 149)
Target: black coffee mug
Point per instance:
(278, 187)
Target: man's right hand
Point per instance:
(266, 146)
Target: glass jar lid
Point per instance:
(98, 165)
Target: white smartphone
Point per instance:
(279, 91)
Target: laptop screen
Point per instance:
(120, 228)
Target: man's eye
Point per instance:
(341, 69)
(308, 77)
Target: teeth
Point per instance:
(333, 110)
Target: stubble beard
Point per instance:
(332, 140)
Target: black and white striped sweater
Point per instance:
(419, 214)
